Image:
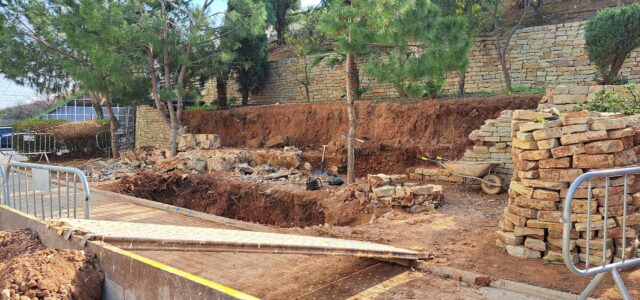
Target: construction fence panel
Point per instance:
(46, 191)
(29, 144)
(605, 246)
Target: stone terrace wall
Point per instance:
(151, 130)
(569, 97)
(538, 56)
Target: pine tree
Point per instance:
(281, 9)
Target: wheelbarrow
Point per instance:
(491, 184)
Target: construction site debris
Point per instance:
(395, 190)
(29, 270)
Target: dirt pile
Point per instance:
(278, 205)
(393, 133)
(29, 270)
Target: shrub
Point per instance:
(610, 37)
(610, 101)
(36, 125)
(79, 137)
(203, 107)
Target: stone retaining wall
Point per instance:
(151, 130)
(569, 97)
(548, 156)
(538, 56)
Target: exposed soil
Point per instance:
(394, 133)
(218, 194)
(461, 234)
(29, 269)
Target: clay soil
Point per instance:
(394, 133)
(218, 194)
(29, 269)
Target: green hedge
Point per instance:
(37, 125)
(77, 138)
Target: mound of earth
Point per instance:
(393, 134)
(29, 270)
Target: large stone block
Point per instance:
(560, 175)
(597, 225)
(620, 133)
(508, 238)
(603, 147)
(549, 185)
(555, 163)
(523, 252)
(527, 145)
(547, 133)
(521, 189)
(576, 128)
(548, 144)
(535, 154)
(535, 204)
(522, 211)
(535, 244)
(608, 124)
(546, 195)
(529, 115)
(577, 138)
(513, 218)
(625, 158)
(598, 161)
(532, 126)
(564, 151)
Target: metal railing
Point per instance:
(30, 144)
(46, 191)
(103, 140)
(600, 254)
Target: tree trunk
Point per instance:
(245, 97)
(503, 64)
(173, 137)
(95, 102)
(351, 157)
(221, 88)
(306, 92)
(355, 77)
(611, 76)
(463, 76)
(113, 130)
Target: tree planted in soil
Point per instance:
(58, 46)
(280, 10)
(504, 37)
(610, 37)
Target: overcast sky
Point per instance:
(12, 94)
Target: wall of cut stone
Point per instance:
(151, 130)
(569, 97)
(548, 156)
(538, 56)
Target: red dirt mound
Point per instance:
(394, 133)
(28, 269)
(265, 204)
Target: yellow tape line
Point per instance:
(219, 287)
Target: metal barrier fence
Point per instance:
(46, 191)
(103, 140)
(30, 144)
(601, 255)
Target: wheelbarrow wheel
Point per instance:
(494, 188)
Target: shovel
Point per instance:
(322, 171)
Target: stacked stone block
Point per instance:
(397, 191)
(493, 143)
(548, 156)
(433, 174)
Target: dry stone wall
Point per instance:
(548, 156)
(151, 130)
(569, 97)
(538, 56)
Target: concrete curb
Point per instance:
(484, 281)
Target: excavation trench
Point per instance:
(241, 200)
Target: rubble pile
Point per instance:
(550, 154)
(396, 190)
(257, 165)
